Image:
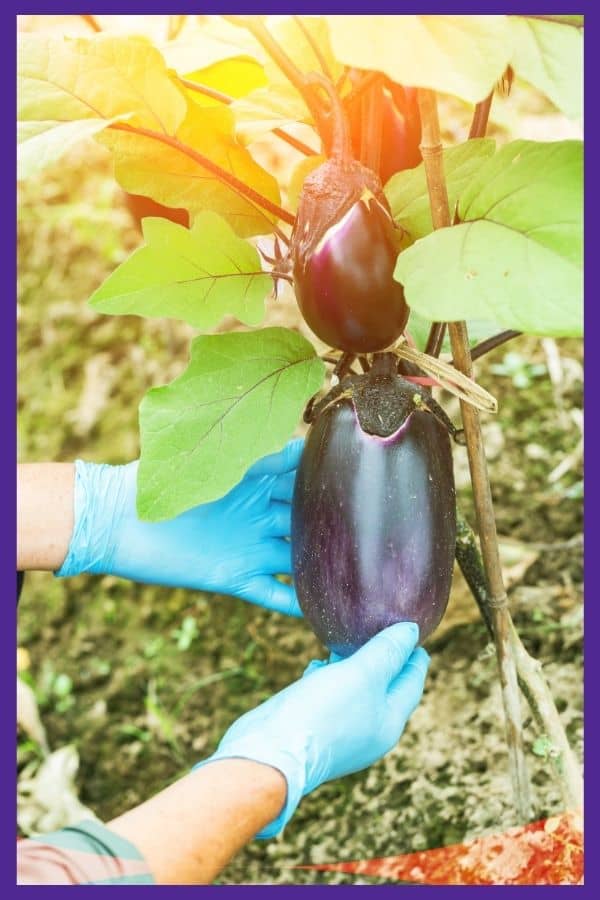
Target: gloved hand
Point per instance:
(340, 717)
(234, 545)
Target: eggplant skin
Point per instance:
(373, 527)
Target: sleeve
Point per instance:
(86, 853)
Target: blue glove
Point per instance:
(340, 717)
(235, 545)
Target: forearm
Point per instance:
(191, 830)
(44, 514)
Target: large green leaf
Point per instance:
(484, 270)
(198, 275)
(461, 55)
(550, 56)
(69, 89)
(407, 191)
(63, 80)
(144, 165)
(517, 259)
(239, 399)
(535, 189)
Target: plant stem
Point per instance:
(372, 125)
(226, 99)
(431, 150)
(258, 30)
(92, 22)
(314, 47)
(226, 177)
(534, 687)
(480, 117)
(496, 340)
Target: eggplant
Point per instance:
(343, 251)
(374, 514)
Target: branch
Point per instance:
(534, 687)
(225, 98)
(431, 150)
(226, 177)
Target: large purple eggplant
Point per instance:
(373, 516)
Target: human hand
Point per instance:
(339, 718)
(235, 545)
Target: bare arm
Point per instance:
(44, 514)
(191, 830)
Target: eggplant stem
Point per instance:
(534, 687)
(431, 151)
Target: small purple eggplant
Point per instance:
(343, 250)
(374, 513)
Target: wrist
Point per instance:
(287, 766)
(99, 501)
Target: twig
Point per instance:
(431, 150)
(214, 94)
(531, 680)
(223, 175)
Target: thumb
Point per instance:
(386, 654)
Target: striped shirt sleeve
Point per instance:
(86, 853)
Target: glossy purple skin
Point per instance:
(373, 527)
(345, 288)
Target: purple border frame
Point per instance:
(8, 357)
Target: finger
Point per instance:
(385, 655)
(406, 690)
(273, 557)
(268, 592)
(283, 487)
(277, 463)
(279, 520)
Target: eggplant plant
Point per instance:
(395, 241)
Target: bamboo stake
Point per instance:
(431, 150)
(565, 767)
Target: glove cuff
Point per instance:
(97, 511)
(286, 763)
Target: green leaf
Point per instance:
(407, 191)
(536, 189)
(487, 271)
(198, 275)
(517, 259)
(63, 80)
(461, 55)
(239, 399)
(550, 56)
(144, 165)
(43, 143)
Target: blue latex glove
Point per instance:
(340, 717)
(235, 545)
